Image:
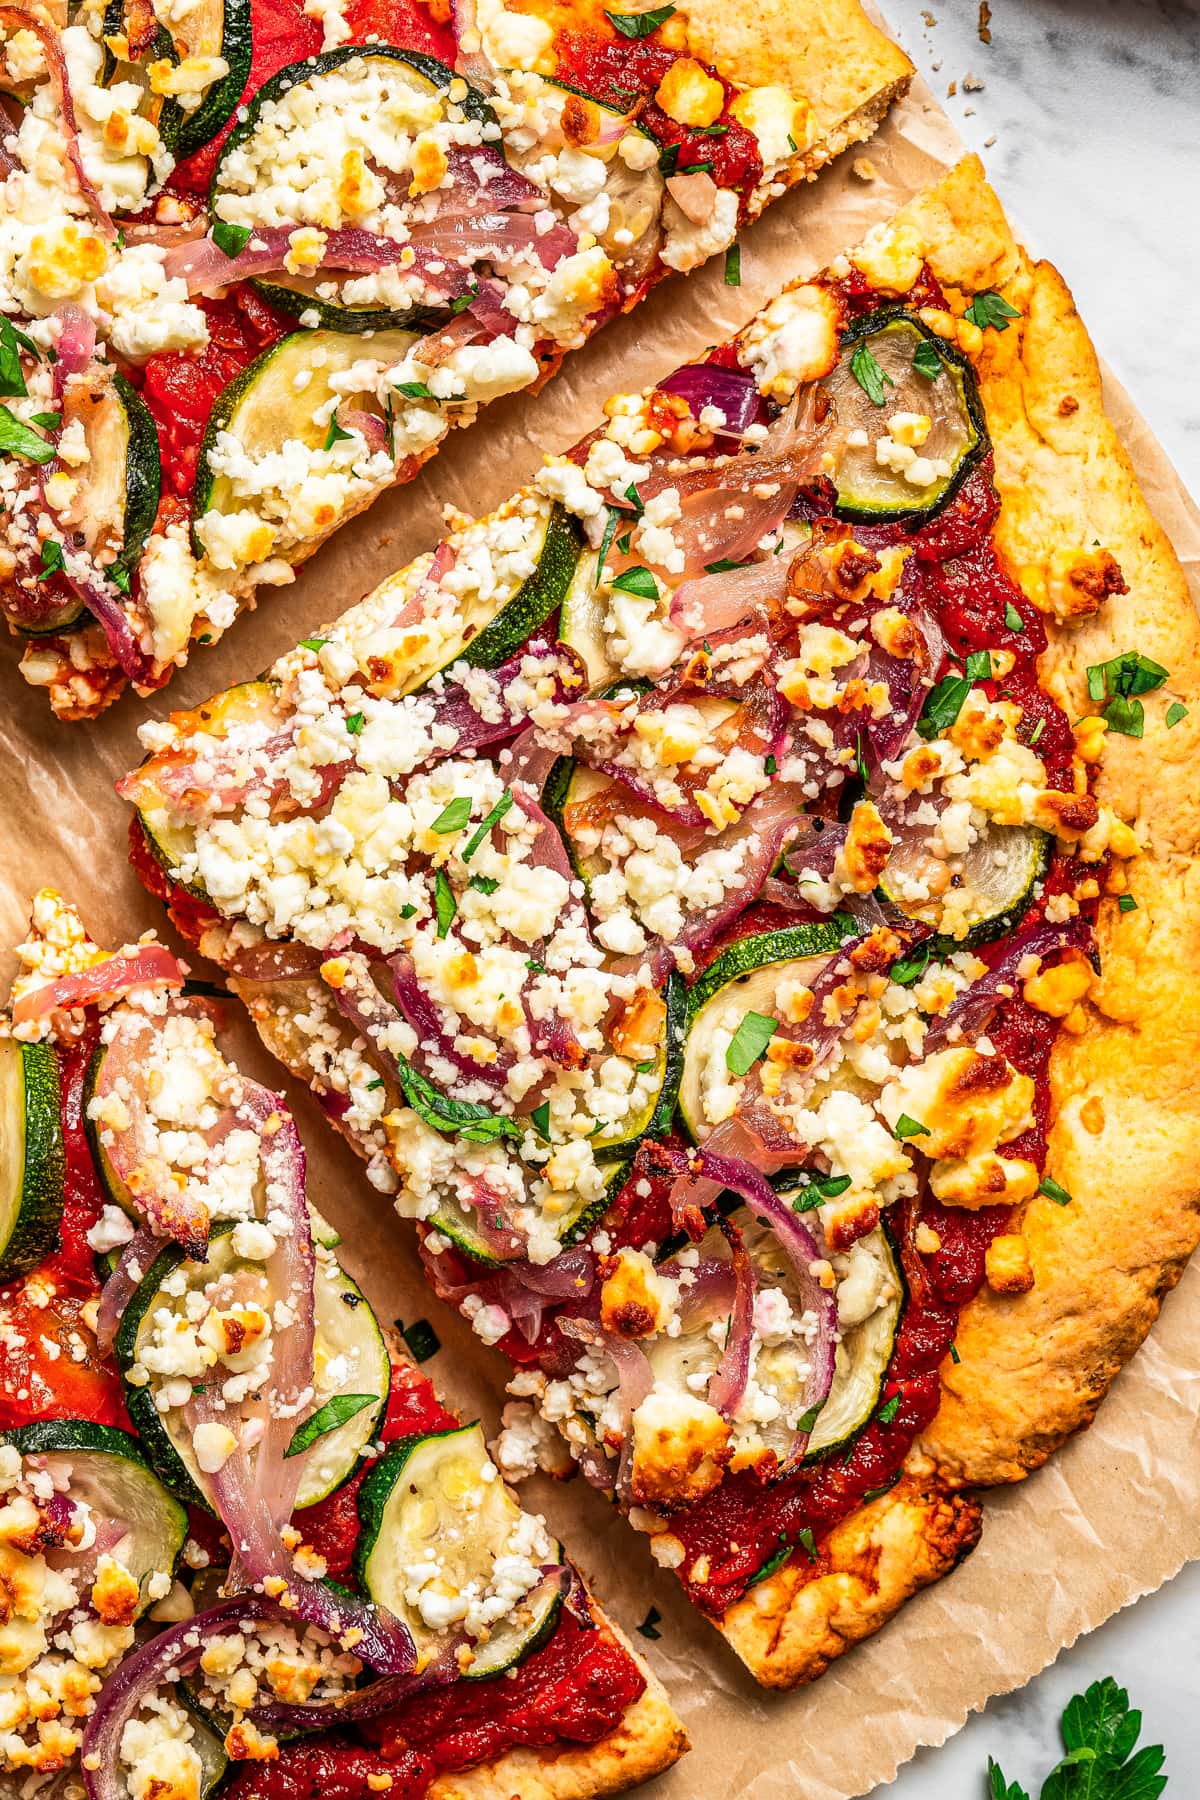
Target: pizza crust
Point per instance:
(648, 1740)
(790, 1627)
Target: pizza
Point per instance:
(736, 898)
(259, 257)
(244, 1548)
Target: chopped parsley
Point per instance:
(639, 581)
(1120, 681)
(1176, 711)
(888, 1410)
(610, 526)
(53, 561)
(992, 309)
(455, 1118)
(885, 1487)
(1127, 903)
(414, 390)
(954, 1356)
(231, 239)
(483, 884)
(634, 498)
(978, 666)
(722, 566)
(48, 421)
(355, 723)
(335, 434)
(337, 1410)
(484, 826)
(733, 266)
(422, 1340)
(668, 160)
(909, 970)
(943, 706)
(1054, 1192)
(1012, 617)
(453, 817)
(461, 301)
(1036, 733)
(869, 374)
(540, 1120)
(926, 361)
(771, 766)
(749, 1042)
(817, 1190)
(639, 24)
(313, 644)
(649, 1625)
(908, 1127)
(444, 903)
(19, 439)
(12, 342)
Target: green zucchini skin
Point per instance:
(195, 129)
(143, 474)
(535, 600)
(967, 386)
(331, 317)
(675, 998)
(32, 1157)
(791, 943)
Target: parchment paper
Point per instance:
(1111, 1518)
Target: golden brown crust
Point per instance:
(790, 1627)
(1125, 1137)
(647, 1741)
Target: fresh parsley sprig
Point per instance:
(1099, 1732)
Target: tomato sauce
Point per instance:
(50, 1367)
(625, 74)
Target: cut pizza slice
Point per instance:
(240, 1530)
(261, 258)
(727, 937)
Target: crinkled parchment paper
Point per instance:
(1110, 1519)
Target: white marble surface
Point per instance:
(1094, 111)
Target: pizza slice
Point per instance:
(260, 257)
(245, 1548)
(733, 898)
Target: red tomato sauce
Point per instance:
(625, 74)
(50, 1367)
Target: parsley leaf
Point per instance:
(639, 24)
(414, 390)
(462, 1118)
(483, 884)
(540, 1120)
(460, 302)
(991, 309)
(444, 904)
(733, 266)
(888, 1410)
(649, 1625)
(908, 1127)
(18, 439)
(926, 361)
(722, 566)
(634, 499)
(869, 375)
(749, 1042)
(637, 581)
(954, 1356)
(610, 526)
(1012, 617)
(1121, 679)
(943, 705)
(1127, 903)
(668, 160)
(314, 644)
(978, 666)
(1176, 711)
(355, 723)
(485, 825)
(12, 342)
(232, 239)
(1054, 1192)
(422, 1340)
(453, 817)
(335, 434)
(909, 970)
(49, 421)
(817, 1190)
(53, 561)
(1100, 1731)
(337, 1410)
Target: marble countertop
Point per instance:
(1087, 121)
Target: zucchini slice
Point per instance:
(441, 1498)
(217, 28)
(350, 1358)
(575, 1224)
(742, 979)
(32, 1157)
(248, 706)
(299, 296)
(582, 621)
(106, 1469)
(117, 493)
(990, 887)
(655, 1118)
(878, 351)
(273, 402)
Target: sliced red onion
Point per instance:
(909, 680)
(107, 606)
(165, 1658)
(635, 1379)
(728, 1385)
(275, 960)
(722, 1162)
(145, 966)
(457, 708)
(548, 850)
(709, 603)
(972, 1011)
(132, 1264)
(75, 345)
(482, 179)
(364, 1702)
(470, 60)
(731, 391)
(15, 18)
(493, 237)
(425, 1018)
(206, 268)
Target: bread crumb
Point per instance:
(985, 20)
(972, 84)
(864, 168)
(952, 90)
